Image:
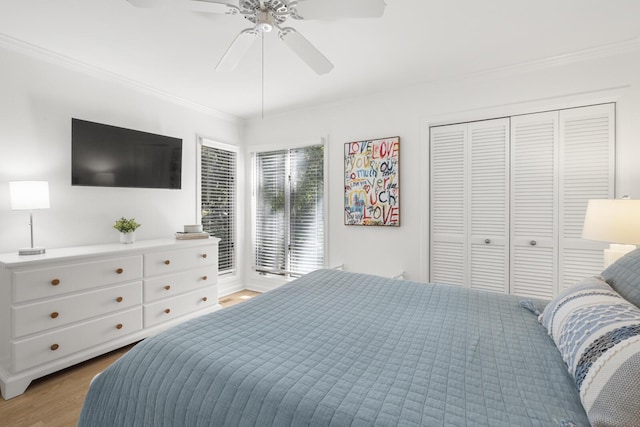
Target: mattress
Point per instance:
(336, 348)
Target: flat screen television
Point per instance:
(109, 156)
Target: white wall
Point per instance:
(38, 99)
(539, 86)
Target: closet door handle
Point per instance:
(533, 243)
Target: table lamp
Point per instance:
(29, 195)
(616, 221)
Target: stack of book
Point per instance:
(180, 235)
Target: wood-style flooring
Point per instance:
(56, 400)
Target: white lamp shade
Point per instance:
(613, 221)
(29, 195)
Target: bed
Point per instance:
(335, 348)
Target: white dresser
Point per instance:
(72, 304)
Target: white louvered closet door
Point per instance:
(488, 184)
(508, 198)
(587, 160)
(534, 211)
(448, 258)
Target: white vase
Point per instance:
(127, 238)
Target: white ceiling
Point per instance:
(415, 41)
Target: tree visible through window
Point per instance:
(289, 208)
(218, 201)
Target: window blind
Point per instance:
(270, 219)
(289, 223)
(218, 201)
(306, 247)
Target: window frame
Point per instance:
(212, 143)
(251, 152)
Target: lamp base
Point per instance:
(31, 251)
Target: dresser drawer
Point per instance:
(63, 342)
(173, 284)
(40, 316)
(180, 305)
(59, 280)
(172, 261)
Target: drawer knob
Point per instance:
(119, 271)
(533, 243)
(54, 314)
(55, 347)
(119, 326)
(119, 299)
(167, 311)
(204, 277)
(167, 262)
(204, 255)
(55, 282)
(487, 241)
(167, 287)
(204, 299)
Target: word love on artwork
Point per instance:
(372, 182)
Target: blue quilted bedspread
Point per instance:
(344, 349)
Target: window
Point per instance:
(218, 164)
(289, 210)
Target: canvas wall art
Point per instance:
(372, 182)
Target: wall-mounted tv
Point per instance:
(110, 156)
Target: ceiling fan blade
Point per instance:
(306, 51)
(209, 6)
(337, 9)
(236, 50)
(148, 3)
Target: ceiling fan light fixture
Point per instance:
(265, 27)
(265, 21)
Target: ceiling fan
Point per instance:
(266, 15)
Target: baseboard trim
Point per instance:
(225, 289)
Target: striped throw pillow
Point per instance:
(598, 334)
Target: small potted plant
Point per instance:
(127, 228)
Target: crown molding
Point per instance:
(602, 51)
(40, 53)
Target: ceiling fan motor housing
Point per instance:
(265, 14)
(265, 21)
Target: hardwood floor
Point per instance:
(56, 400)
